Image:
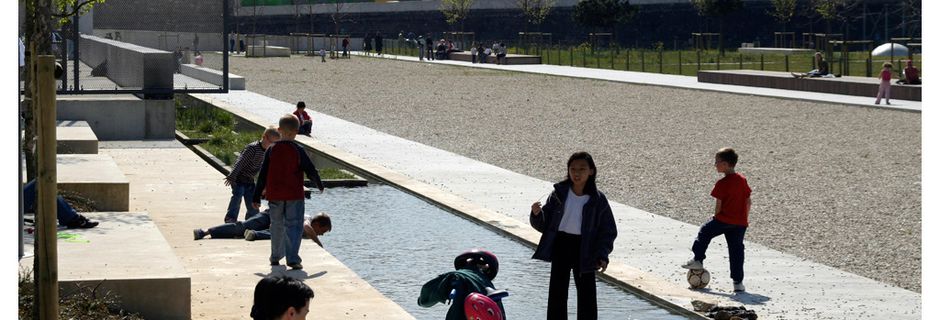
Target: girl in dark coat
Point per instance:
(578, 232)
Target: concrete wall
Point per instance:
(165, 40)
(120, 117)
(130, 65)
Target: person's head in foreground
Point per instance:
(281, 298)
(725, 160)
(288, 126)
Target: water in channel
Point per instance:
(397, 242)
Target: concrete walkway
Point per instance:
(675, 81)
(182, 192)
(780, 286)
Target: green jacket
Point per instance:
(466, 280)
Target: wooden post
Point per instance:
(47, 275)
(680, 62)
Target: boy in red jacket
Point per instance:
(282, 183)
(733, 204)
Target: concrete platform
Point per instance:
(120, 117)
(853, 86)
(510, 58)
(182, 192)
(647, 252)
(267, 51)
(126, 255)
(75, 137)
(96, 177)
(235, 82)
(769, 50)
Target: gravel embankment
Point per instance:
(834, 184)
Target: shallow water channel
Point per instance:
(397, 242)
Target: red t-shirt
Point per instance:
(733, 192)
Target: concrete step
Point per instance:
(75, 137)
(127, 255)
(120, 117)
(96, 177)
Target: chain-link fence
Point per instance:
(145, 47)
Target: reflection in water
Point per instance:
(397, 242)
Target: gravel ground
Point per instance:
(834, 184)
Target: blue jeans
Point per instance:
(259, 222)
(64, 212)
(734, 234)
(241, 191)
(287, 227)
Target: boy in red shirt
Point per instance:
(282, 183)
(306, 123)
(733, 204)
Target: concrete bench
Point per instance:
(96, 177)
(130, 65)
(770, 50)
(128, 256)
(76, 137)
(235, 82)
(853, 86)
(267, 51)
(510, 58)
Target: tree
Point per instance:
(456, 11)
(829, 10)
(717, 9)
(535, 11)
(337, 15)
(604, 14)
(783, 11)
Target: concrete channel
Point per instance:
(619, 275)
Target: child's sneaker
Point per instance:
(275, 263)
(249, 235)
(198, 234)
(295, 266)
(739, 286)
(693, 265)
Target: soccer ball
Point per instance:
(698, 278)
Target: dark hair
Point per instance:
(727, 155)
(323, 220)
(591, 185)
(289, 122)
(274, 295)
(301, 105)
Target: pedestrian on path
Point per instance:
(281, 181)
(884, 88)
(578, 232)
(281, 298)
(732, 205)
(242, 177)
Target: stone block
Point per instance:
(96, 177)
(127, 256)
(75, 137)
(235, 82)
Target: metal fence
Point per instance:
(153, 50)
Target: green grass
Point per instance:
(688, 62)
(203, 122)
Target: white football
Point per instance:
(698, 278)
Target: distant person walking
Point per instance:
(231, 42)
(378, 43)
(346, 47)
(429, 46)
(367, 43)
(578, 232)
(195, 41)
(884, 88)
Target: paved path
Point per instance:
(676, 81)
(780, 286)
(182, 192)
